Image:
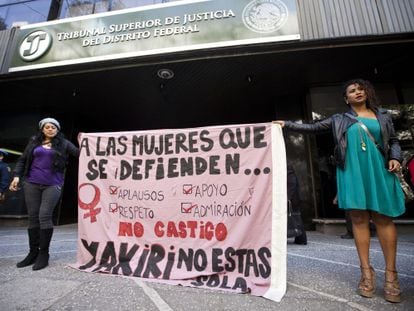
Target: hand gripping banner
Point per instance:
(201, 207)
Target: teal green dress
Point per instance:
(365, 183)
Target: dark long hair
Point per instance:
(57, 141)
(372, 99)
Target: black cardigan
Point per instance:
(61, 151)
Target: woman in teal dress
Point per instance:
(367, 185)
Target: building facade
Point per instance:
(132, 65)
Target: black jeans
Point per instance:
(41, 200)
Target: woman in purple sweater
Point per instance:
(42, 166)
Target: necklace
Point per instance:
(362, 143)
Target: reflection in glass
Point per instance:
(23, 11)
(102, 6)
(2, 23)
(34, 11)
(72, 8)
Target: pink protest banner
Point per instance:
(201, 207)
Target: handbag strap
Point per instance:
(364, 127)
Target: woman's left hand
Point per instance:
(393, 165)
(280, 122)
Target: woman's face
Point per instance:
(49, 130)
(355, 95)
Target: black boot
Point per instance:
(42, 259)
(34, 234)
(301, 239)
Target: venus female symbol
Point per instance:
(90, 193)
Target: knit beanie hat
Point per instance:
(49, 120)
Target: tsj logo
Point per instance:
(35, 45)
(265, 16)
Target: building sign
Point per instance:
(163, 28)
(201, 207)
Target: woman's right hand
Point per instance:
(14, 185)
(280, 122)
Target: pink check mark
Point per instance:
(187, 207)
(113, 190)
(113, 207)
(188, 189)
